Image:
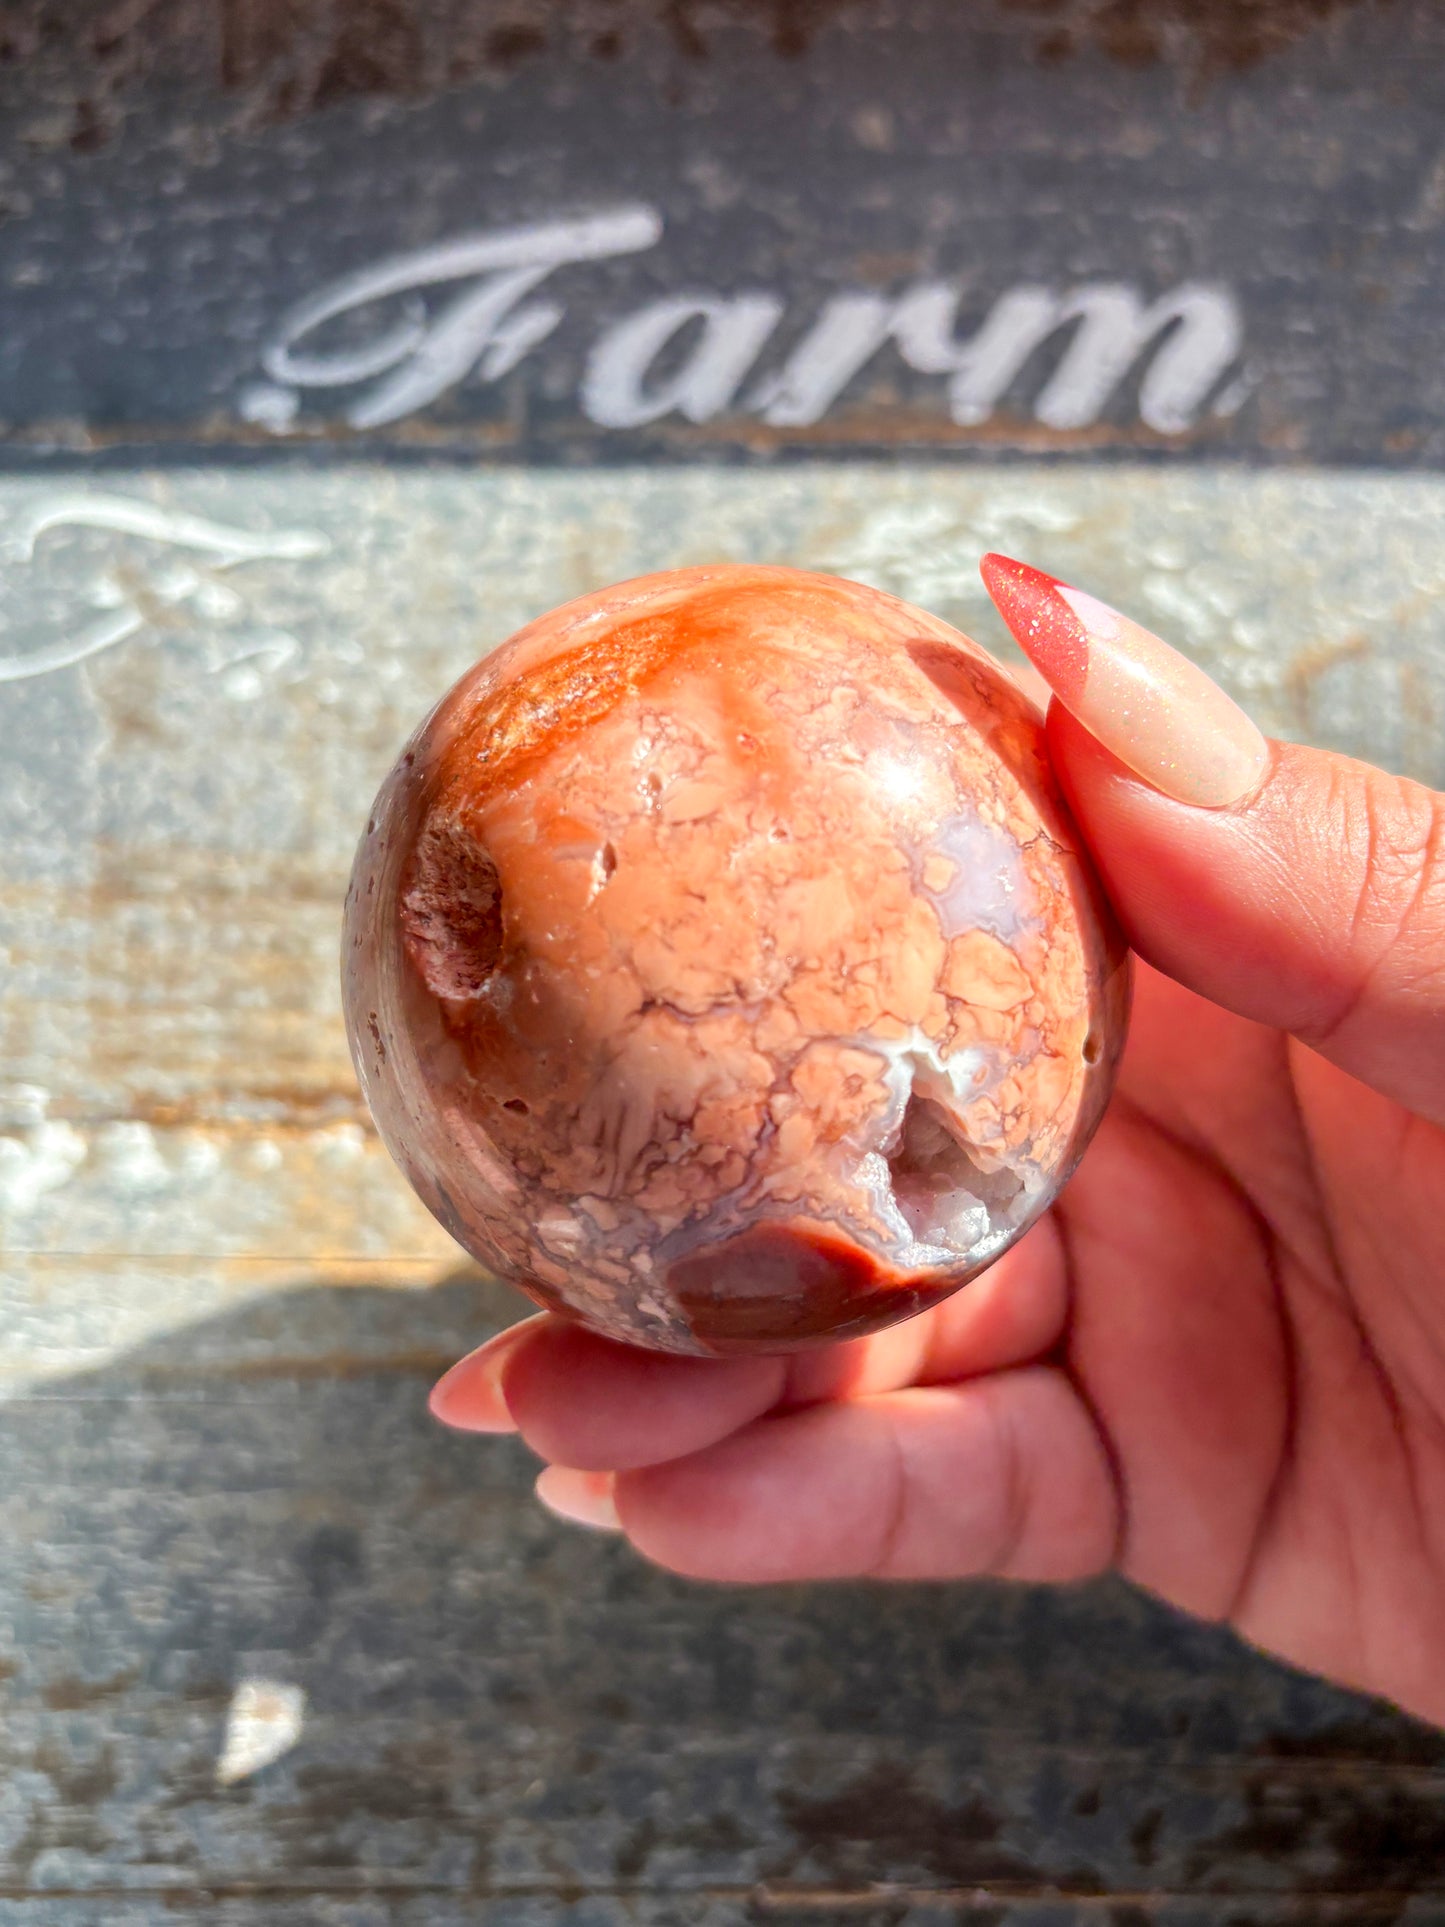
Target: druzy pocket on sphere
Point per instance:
(722, 967)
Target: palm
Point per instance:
(1250, 1249)
(1216, 1364)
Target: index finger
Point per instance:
(1299, 889)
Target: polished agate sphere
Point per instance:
(722, 967)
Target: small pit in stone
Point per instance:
(944, 1194)
(451, 913)
(517, 1106)
(1093, 1047)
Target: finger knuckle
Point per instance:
(1389, 862)
(1402, 900)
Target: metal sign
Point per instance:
(915, 228)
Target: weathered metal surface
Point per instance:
(507, 1721)
(758, 226)
(221, 1306)
(178, 809)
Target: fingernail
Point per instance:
(469, 1396)
(1155, 709)
(582, 1498)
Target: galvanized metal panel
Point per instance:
(179, 807)
(221, 1306)
(508, 1720)
(183, 185)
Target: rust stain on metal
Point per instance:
(1309, 665)
(281, 1109)
(72, 437)
(893, 426)
(1417, 716)
(865, 431)
(1206, 38)
(887, 1816)
(1338, 1837)
(284, 59)
(70, 1694)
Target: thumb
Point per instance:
(1297, 888)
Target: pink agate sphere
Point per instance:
(722, 967)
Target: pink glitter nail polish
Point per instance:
(1154, 708)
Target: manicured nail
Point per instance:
(1155, 709)
(582, 1498)
(469, 1396)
